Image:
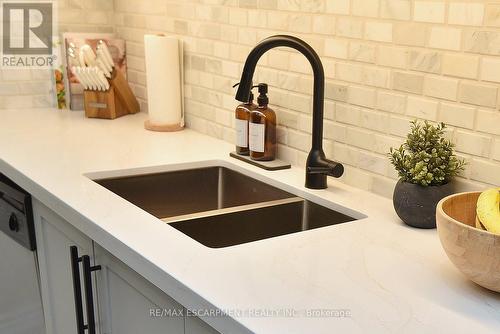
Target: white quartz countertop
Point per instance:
(389, 277)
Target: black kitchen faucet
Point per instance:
(317, 166)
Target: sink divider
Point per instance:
(238, 208)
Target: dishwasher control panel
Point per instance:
(16, 213)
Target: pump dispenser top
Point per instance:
(262, 100)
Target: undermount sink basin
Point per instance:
(190, 191)
(220, 207)
(260, 222)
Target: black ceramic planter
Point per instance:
(416, 205)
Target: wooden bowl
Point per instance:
(476, 253)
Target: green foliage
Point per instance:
(426, 157)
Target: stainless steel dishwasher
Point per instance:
(20, 301)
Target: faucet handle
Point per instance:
(330, 168)
(318, 170)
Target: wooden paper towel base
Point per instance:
(162, 127)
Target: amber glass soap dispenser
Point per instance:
(242, 117)
(262, 129)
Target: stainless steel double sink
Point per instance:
(220, 207)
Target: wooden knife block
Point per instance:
(117, 101)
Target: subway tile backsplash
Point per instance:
(386, 62)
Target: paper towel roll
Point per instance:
(164, 72)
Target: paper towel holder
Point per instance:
(149, 125)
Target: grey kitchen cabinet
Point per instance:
(127, 301)
(124, 302)
(54, 237)
(195, 325)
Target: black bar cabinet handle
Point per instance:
(77, 289)
(89, 298)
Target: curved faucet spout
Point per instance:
(318, 167)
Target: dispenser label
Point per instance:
(257, 137)
(241, 133)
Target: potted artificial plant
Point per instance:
(426, 165)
